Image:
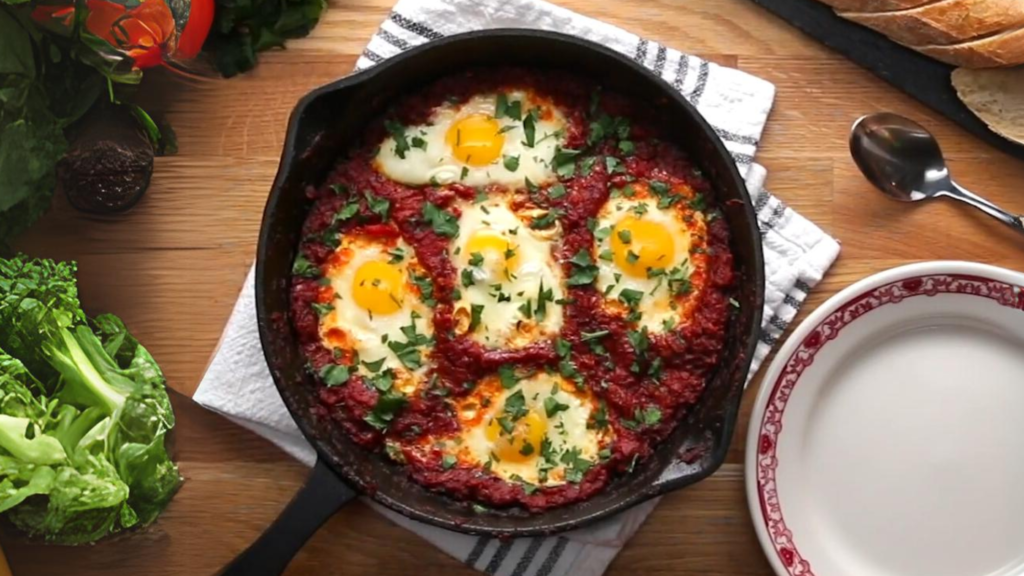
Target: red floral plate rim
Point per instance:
(883, 289)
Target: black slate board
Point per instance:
(925, 79)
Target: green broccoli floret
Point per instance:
(83, 414)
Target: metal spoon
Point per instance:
(903, 160)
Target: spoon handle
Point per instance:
(1013, 220)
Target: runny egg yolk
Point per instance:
(638, 245)
(377, 287)
(476, 139)
(523, 442)
(496, 250)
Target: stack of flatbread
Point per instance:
(984, 38)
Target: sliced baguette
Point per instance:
(875, 5)
(1004, 49)
(945, 22)
(996, 96)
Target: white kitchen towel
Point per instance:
(797, 254)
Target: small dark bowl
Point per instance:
(327, 120)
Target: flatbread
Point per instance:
(996, 96)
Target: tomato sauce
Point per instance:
(688, 353)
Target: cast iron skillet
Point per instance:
(321, 127)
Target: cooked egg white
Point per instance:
(472, 143)
(377, 311)
(522, 430)
(509, 281)
(643, 256)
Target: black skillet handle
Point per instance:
(318, 499)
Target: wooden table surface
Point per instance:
(173, 266)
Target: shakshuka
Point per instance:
(514, 286)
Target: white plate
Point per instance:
(888, 434)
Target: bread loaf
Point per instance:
(996, 96)
(946, 22)
(1005, 49)
(964, 33)
(874, 5)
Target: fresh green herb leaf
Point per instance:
(511, 163)
(303, 267)
(334, 375)
(530, 127)
(556, 191)
(549, 219)
(442, 221)
(377, 204)
(426, 288)
(584, 270)
(397, 131)
(507, 376)
(374, 366)
(476, 310)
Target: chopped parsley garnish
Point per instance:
(374, 366)
(397, 255)
(613, 165)
(530, 127)
(503, 108)
(397, 131)
(575, 465)
(418, 142)
(698, 203)
(465, 172)
(607, 255)
(552, 406)
(442, 221)
(679, 279)
(511, 163)
(347, 211)
(543, 297)
(507, 376)
(515, 405)
(588, 336)
(334, 374)
(626, 147)
(526, 450)
(388, 404)
(448, 461)
(377, 205)
(587, 165)
(556, 191)
(426, 288)
(303, 267)
(644, 418)
(474, 316)
(564, 161)
(584, 270)
(660, 188)
(408, 354)
(322, 309)
(601, 416)
(526, 309)
(548, 220)
(603, 233)
(625, 236)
